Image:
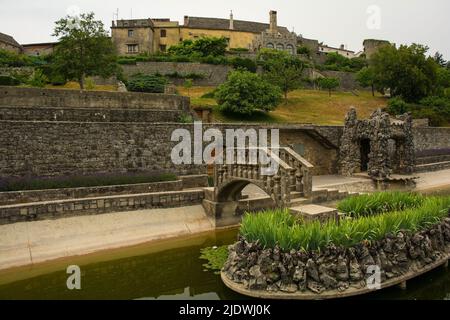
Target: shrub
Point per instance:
(279, 227)
(397, 106)
(130, 61)
(58, 80)
(90, 83)
(304, 50)
(12, 59)
(39, 79)
(245, 93)
(147, 83)
(244, 64)
(8, 81)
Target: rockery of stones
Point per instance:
(336, 268)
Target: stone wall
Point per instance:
(119, 203)
(347, 79)
(88, 114)
(15, 197)
(430, 138)
(56, 98)
(76, 148)
(213, 75)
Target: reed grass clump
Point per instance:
(375, 203)
(279, 227)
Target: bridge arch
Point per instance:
(232, 190)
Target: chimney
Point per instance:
(342, 47)
(186, 20)
(273, 22)
(231, 21)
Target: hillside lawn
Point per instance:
(303, 106)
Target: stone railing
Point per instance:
(303, 170)
(254, 165)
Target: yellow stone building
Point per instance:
(136, 36)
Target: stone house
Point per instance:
(136, 36)
(39, 49)
(9, 43)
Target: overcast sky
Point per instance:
(334, 22)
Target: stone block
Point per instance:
(312, 212)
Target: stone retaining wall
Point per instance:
(15, 197)
(213, 75)
(335, 269)
(56, 98)
(76, 207)
(89, 114)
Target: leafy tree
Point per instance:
(203, 47)
(443, 78)
(439, 58)
(406, 71)
(328, 84)
(282, 69)
(335, 61)
(366, 78)
(84, 48)
(304, 50)
(246, 92)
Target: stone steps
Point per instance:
(436, 166)
(97, 205)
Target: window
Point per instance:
(270, 45)
(130, 33)
(163, 33)
(290, 48)
(132, 48)
(162, 48)
(280, 46)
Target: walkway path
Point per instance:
(32, 242)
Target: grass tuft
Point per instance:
(279, 227)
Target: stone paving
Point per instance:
(32, 242)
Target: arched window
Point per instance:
(280, 46)
(290, 48)
(270, 45)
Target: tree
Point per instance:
(246, 92)
(188, 85)
(406, 71)
(366, 78)
(84, 48)
(439, 58)
(328, 84)
(282, 70)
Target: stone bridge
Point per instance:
(285, 187)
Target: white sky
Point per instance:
(334, 22)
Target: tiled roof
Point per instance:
(9, 40)
(224, 24)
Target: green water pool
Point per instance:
(167, 270)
